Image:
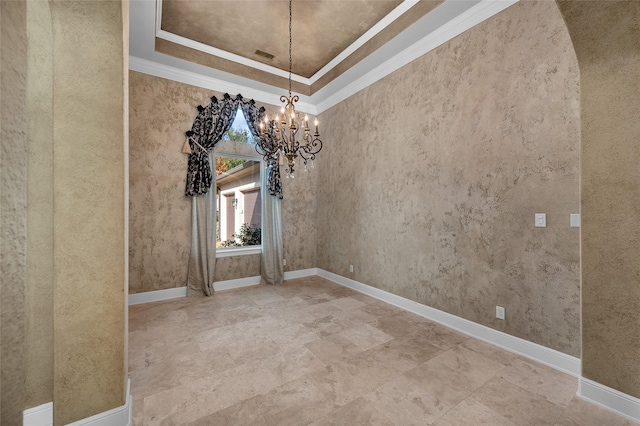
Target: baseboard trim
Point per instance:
(119, 416)
(175, 293)
(550, 357)
(42, 415)
(236, 283)
(157, 295)
(620, 403)
(300, 273)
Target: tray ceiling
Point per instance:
(339, 46)
(321, 29)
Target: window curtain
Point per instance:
(209, 126)
(271, 267)
(202, 257)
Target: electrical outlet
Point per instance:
(284, 262)
(350, 268)
(500, 312)
(541, 220)
(574, 220)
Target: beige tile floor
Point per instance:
(313, 352)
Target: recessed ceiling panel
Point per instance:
(321, 29)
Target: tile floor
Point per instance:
(313, 352)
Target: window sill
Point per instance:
(239, 251)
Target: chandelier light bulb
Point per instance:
(281, 138)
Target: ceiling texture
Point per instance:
(338, 46)
(321, 30)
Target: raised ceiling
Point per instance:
(251, 38)
(321, 29)
(339, 46)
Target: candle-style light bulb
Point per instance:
(316, 125)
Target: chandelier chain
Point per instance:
(279, 137)
(290, 60)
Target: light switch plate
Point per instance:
(541, 220)
(574, 220)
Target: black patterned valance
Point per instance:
(209, 126)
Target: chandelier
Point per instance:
(280, 135)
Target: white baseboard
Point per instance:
(552, 358)
(42, 415)
(237, 283)
(157, 295)
(174, 293)
(620, 403)
(300, 273)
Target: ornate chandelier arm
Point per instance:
(280, 135)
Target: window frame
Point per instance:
(242, 250)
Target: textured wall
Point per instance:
(433, 175)
(299, 229)
(88, 218)
(13, 209)
(606, 36)
(39, 360)
(160, 214)
(160, 111)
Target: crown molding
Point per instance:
(364, 38)
(448, 20)
(205, 48)
(457, 16)
(199, 80)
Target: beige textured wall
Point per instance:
(606, 36)
(63, 181)
(433, 174)
(88, 217)
(160, 214)
(13, 209)
(160, 111)
(39, 360)
(299, 227)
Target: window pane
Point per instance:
(239, 202)
(239, 131)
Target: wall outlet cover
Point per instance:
(541, 220)
(574, 220)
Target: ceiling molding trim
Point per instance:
(345, 86)
(364, 38)
(194, 79)
(458, 16)
(196, 45)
